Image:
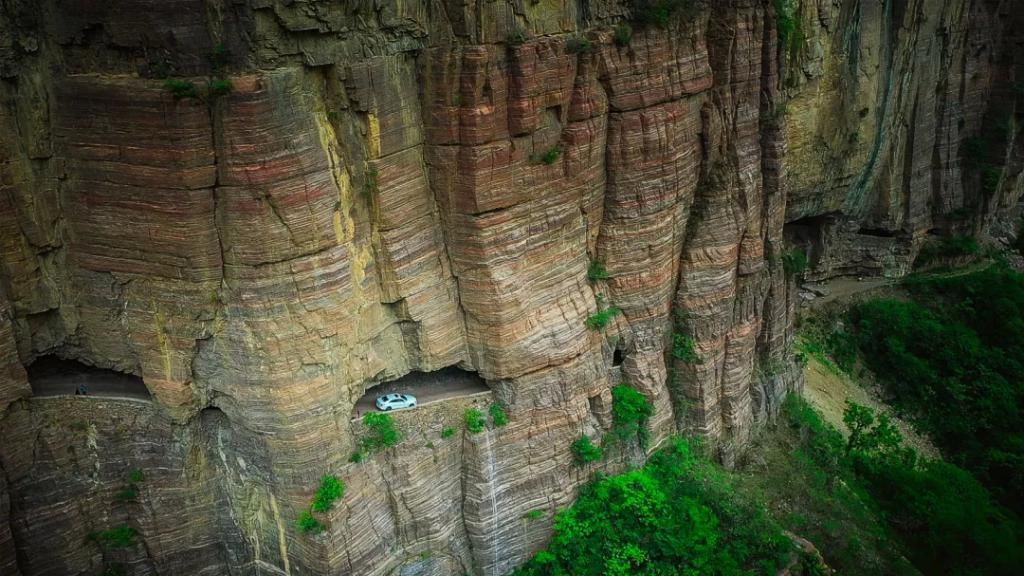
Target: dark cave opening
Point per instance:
(809, 234)
(450, 382)
(51, 375)
(617, 357)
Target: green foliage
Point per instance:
(308, 524)
(534, 514)
(498, 416)
(597, 271)
(219, 57)
(586, 451)
(677, 515)
(598, 320)
(578, 45)
(623, 34)
(790, 31)
(220, 87)
(682, 348)
(122, 536)
(475, 421)
(953, 361)
(372, 181)
(330, 489)
(516, 36)
(127, 493)
(382, 432)
(660, 12)
(357, 457)
(630, 412)
(794, 261)
(949, 247)
(136, 476)
(868, 434)
(448, 432)
(181, 88)
(549, 157)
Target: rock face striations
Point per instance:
(264, 209)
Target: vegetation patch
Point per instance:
(448, 432)
(130, 490)
(676, 515)
(630, 412)
(534, 514)
(578, 45)
(623, 34)
(330, 490)
(220, 87)
(661, 12)
(585, 451)
(181, 88)
(682, 348)
(498, 416)
(958, 246)
(122, 536)
(598, 320)
(549, 156)
(475, 421)
(597, 271)
(308, 524)
(794, 262)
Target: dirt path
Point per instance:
(51, 376)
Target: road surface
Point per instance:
(426, 387)
(55, 377)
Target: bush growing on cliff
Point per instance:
(308, 524)
(330, 490)
(660, 12)
(448, 432)
(630, 412)
(122, 536)
(220, 87)
(676, 515)
(794, 261)
(598, 320)
(181, 88)
(475, 421)
(498, 416)
(586, 451)
(597, 271)
(623, 34)
(382, 432)
(550, 156)
(682, 348)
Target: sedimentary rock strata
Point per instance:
(389, 187)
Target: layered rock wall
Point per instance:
(399, 186)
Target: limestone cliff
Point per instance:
(330, 195)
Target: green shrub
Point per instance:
(308, 524)
(598, 320)
(448, 432)
(534, 514)
(127, 493)
(180, 88)
(357, 457)
(516, 36)
(676, 515)
(682, 349)
(122, 536)
(475, 421)
(382, 432)
(623, 34)
(630, 412)
(372, 181)
(498, 416)
(794, 261)
(958, 246)
(331, 489)
(578, 45)
(660, 12)
(597, 271)
(550, 156)
(136, 476)
(220, 87)
(586, 451)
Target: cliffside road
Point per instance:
(58, 378)
(427, 387)
(839, 289)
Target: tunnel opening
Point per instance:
(443, 384)
(877, 232)
(51, 375)
(617, 357)
(809, 234)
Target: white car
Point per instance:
(396, 402)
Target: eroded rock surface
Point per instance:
(398, 186)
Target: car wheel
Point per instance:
(388, 409)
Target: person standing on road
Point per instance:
(81, 390)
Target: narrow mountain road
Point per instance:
(427, 387)
(53, 377)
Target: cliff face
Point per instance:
(391, 187)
